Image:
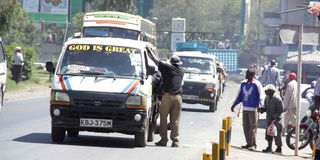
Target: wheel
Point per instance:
(152, 130)
(140, 138)
(304, 138)
(57, 134)
(213, 106)
(72, 132)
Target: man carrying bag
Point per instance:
(273, 106)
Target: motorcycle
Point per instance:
(308, 131)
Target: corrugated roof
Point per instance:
(307, 57)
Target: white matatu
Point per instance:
(102, 85)
(201, 81)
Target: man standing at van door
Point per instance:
(250, 96)
(171, 101)
(17, 65)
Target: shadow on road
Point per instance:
(195, 110)
(82, 140)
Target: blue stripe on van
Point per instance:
(127, 87)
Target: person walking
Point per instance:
(271, 75)
(17, 65)
(290, 102)
(251, 98)
(317, 108)
(273, 107)
(171, 101)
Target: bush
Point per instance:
(27, 53)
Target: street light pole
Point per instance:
(258, 63)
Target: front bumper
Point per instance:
(122, 119)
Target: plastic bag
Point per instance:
(272, 130)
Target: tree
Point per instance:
(8, 11)
(19, 29)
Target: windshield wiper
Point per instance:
(71, 74)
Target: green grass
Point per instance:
(38, 77)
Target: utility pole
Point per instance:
(259, 16)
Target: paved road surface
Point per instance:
(25, 135)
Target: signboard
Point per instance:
(178, 24)
(289, 34)
(176, 38)
(55, 11)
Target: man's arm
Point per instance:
(152, 56)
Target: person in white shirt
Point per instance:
(17, 65)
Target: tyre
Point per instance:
(213, 106)
(152, 130)
(72, 133)
(304, 138)
(57, 134)
(140, 138)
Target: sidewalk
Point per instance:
(35, 91)
(236, 152)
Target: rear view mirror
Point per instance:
(50, 67)
(77, 35)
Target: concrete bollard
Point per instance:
(215, 151)
(206, 156)
(229, 135)
(222, 144)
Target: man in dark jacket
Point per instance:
(273, 106)
(171, 101)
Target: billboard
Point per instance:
(55, 11)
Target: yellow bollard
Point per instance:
(314, 150)
(225, 126)
(222, 144)
(206, 156)
(229, 135)
(215, 151)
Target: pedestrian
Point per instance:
(251, 98)
(290, 102)
(171, 101)
(273, 107)
(17, 65)
(317, 108)
(271, 75)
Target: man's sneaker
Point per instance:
(278, 150)
(267, 150)
(161, 143)
(245, 147)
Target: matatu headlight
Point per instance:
(134, 101)
(60, 97)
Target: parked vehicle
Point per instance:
(201, 83)
(103, 85)
(3, 73)
(308, 131)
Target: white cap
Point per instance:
(270, 87)
(17, 49)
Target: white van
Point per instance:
(201, 79)
(3, 73)
(102, 85)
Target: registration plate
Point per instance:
(190, 97)
(100, 123)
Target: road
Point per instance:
(25, 135)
